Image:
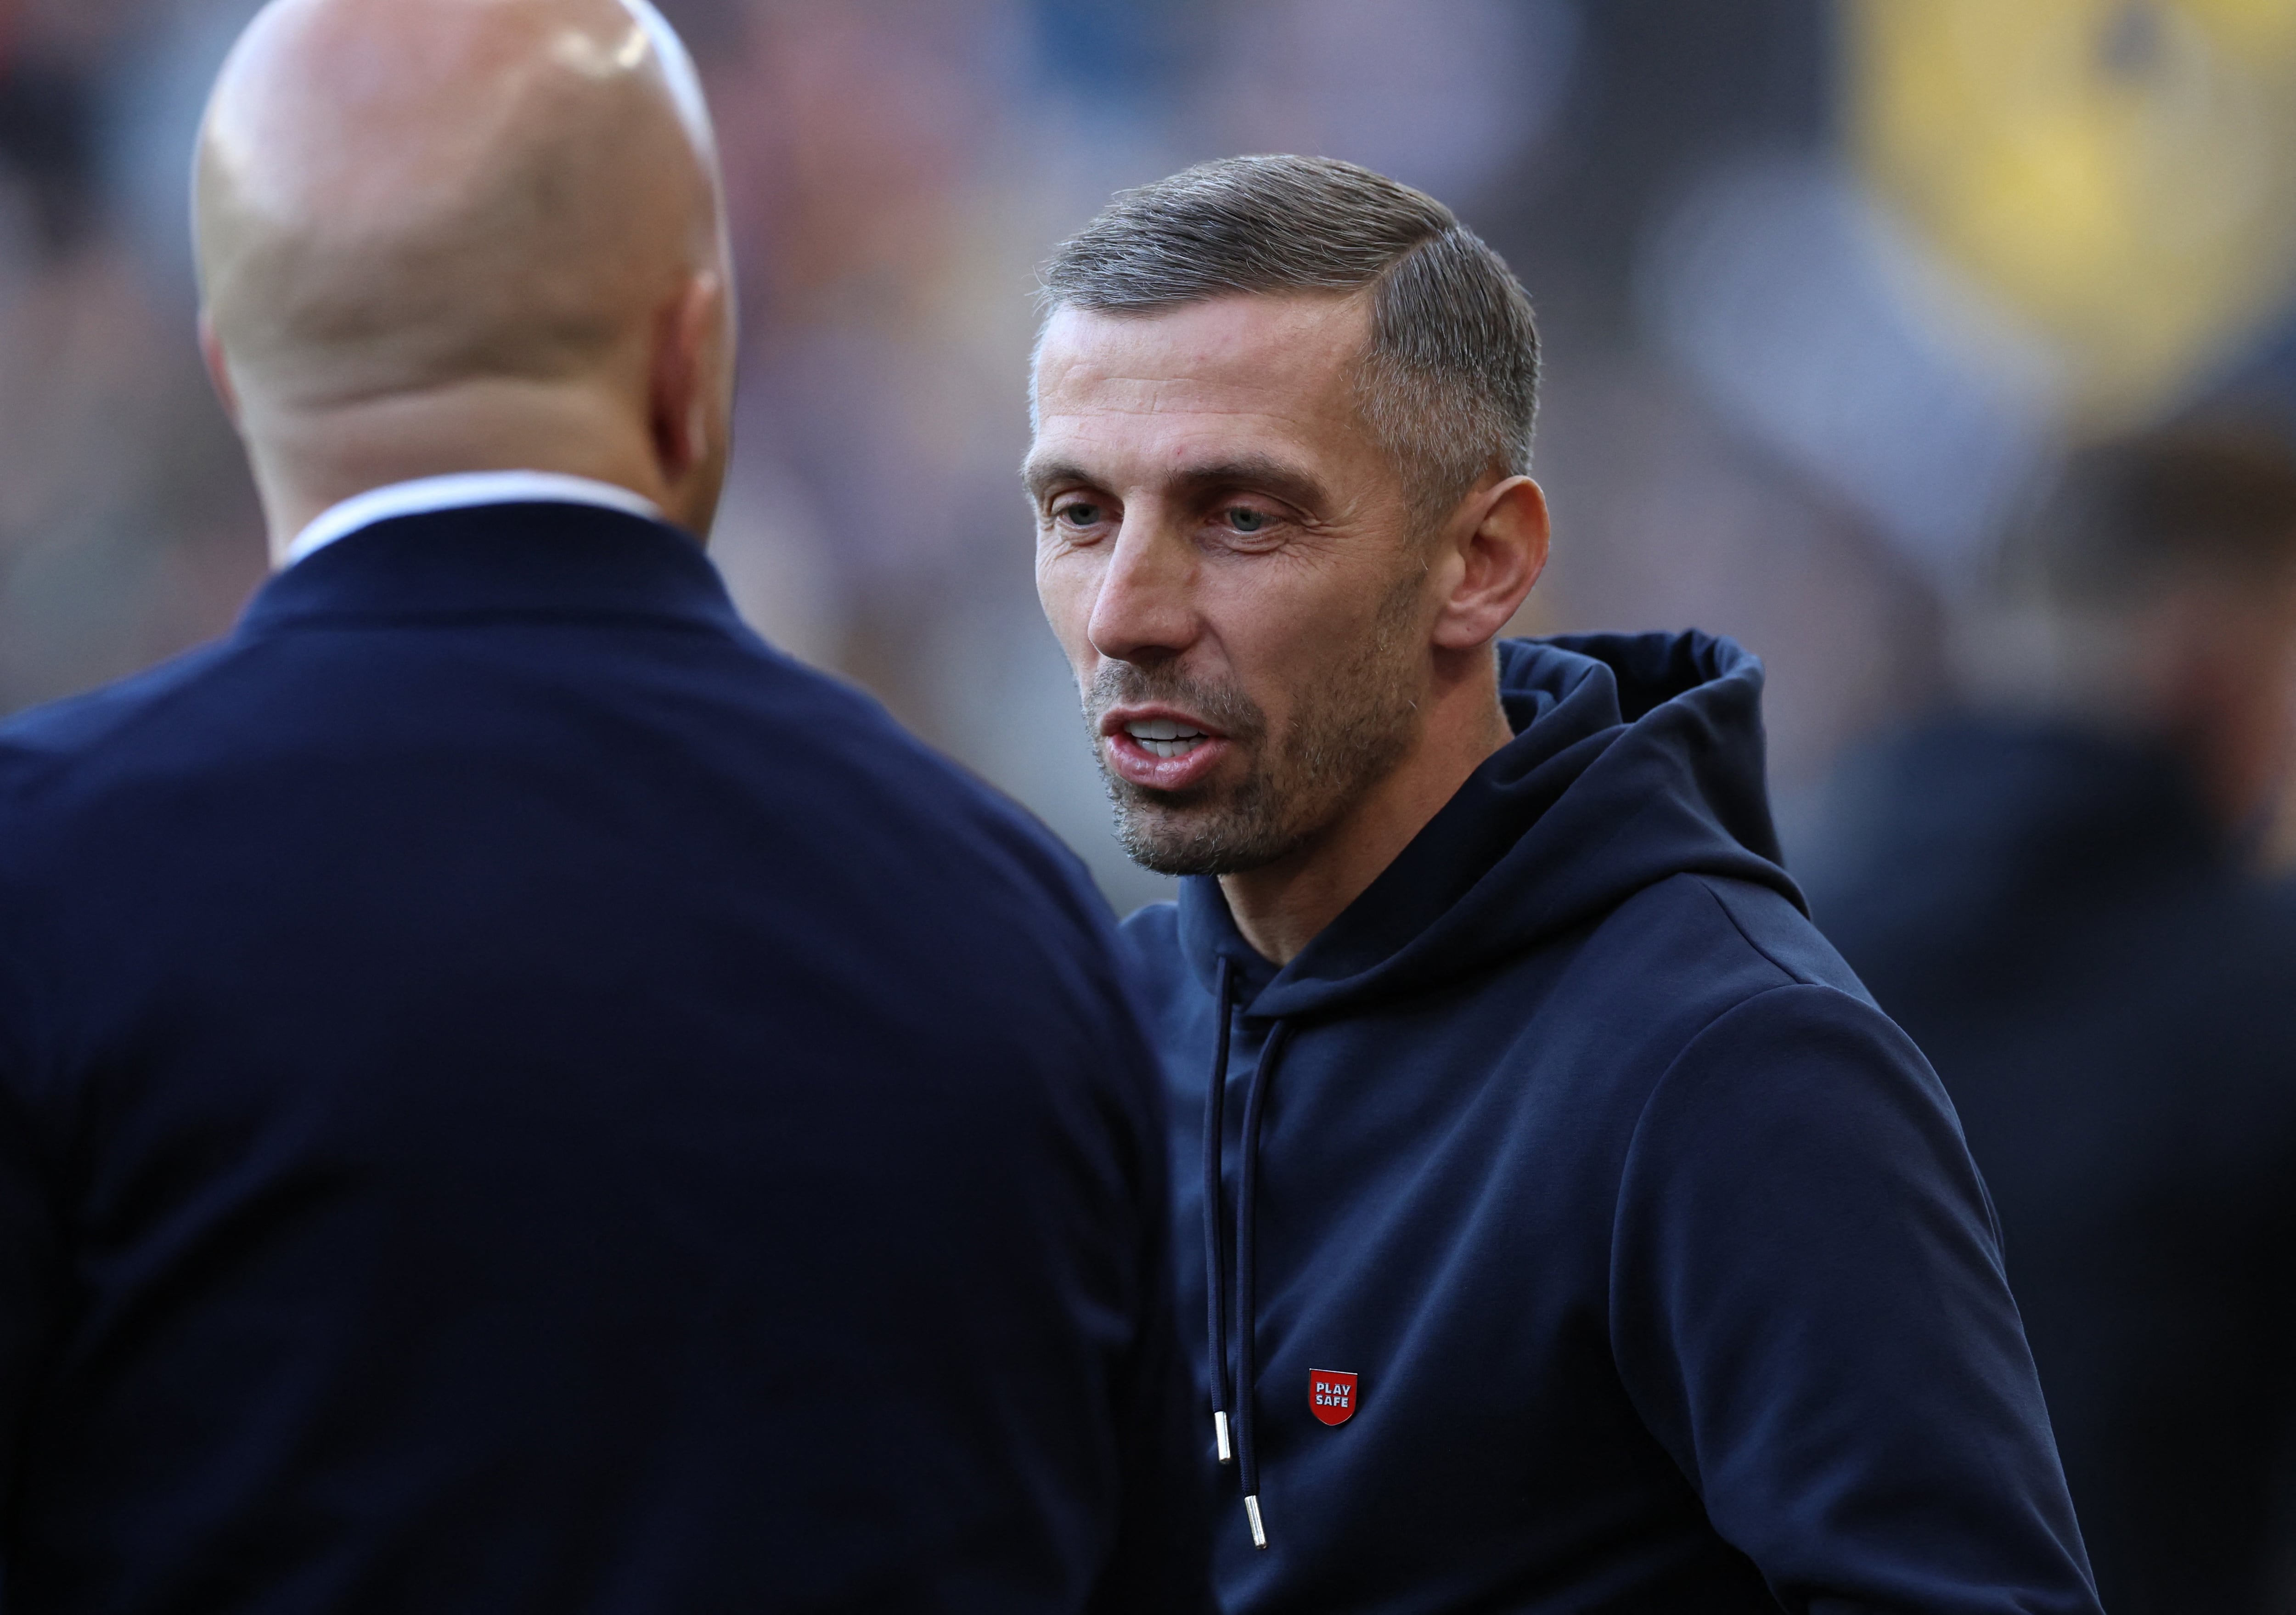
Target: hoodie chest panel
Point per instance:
(1435, 1193)
(1421, 1195)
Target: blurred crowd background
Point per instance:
(1830, 288)
(1824, 283)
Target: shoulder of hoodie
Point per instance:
(1742, 975)
(1722, 939)
(1691, 952)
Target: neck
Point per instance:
(1280, 907)
(309, 461)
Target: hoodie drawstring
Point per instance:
(1247, 1333)
(1246, 1449)
(1215, 1248)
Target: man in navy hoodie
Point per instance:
(1572, 1232)
(515, 1096)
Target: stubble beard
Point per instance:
(1349, 731)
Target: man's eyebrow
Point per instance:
(1262, 474)
(1259, 473)
(1041, 475)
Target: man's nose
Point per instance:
(1145, 610)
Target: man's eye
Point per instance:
(1244, 519)
(1079, 515)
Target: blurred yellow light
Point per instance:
(2120, 173)
(2268, 26)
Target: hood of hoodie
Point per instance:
(1636, 757)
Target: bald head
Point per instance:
(438, 232)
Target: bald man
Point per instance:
(514, 1096)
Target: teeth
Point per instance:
(1163, 728)
(1171, 748)
(1166, 736)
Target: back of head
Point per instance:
(2131, 529)
(2152, 589)
(2130, 518)
(394, 191)
(395, 197)
(1450, 381)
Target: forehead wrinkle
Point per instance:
(1160, 395)
(1271, 359)
(1178, 396)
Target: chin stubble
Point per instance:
(1350, 730)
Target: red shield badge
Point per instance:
(1332, 1396)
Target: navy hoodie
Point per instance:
(1587, 1239)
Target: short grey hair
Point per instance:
(1449, 382)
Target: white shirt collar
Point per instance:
(460, 491)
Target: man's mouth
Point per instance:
(1160, 751)
(1166, 736)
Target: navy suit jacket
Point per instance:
(515, 1096)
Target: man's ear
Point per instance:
(1499, 557)
(219, 367)
(680, 416)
